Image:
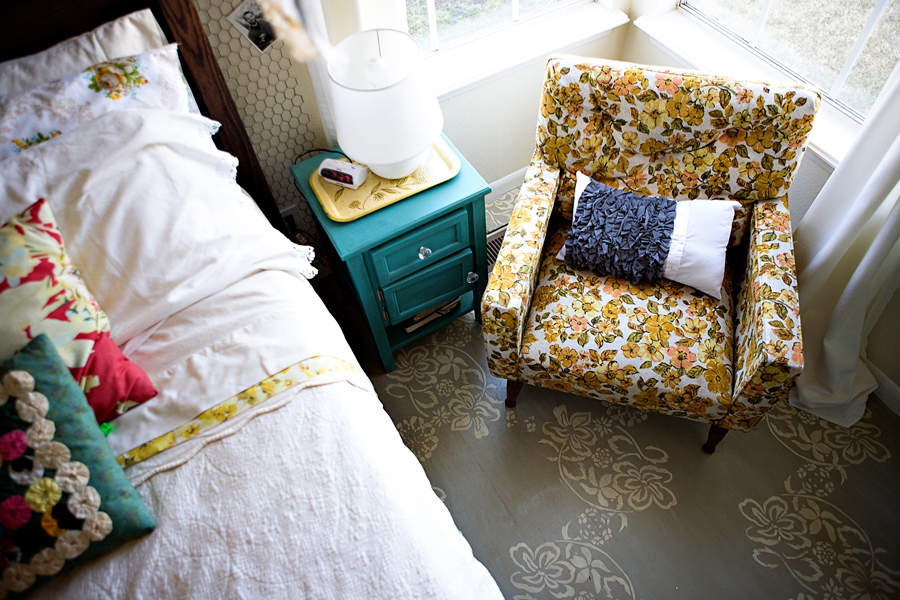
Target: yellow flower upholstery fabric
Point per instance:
(663, 347)
(769, 349)
(509, 291)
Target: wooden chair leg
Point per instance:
(716, 434)
(512, 392)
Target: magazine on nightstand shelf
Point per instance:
(427, 316)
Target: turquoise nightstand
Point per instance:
(418, 253)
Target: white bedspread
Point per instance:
(319, 499)
(311, 494)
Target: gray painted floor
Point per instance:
(568, 497)
(498, 211)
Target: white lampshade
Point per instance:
(386, 113)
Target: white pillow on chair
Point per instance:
(699, 244)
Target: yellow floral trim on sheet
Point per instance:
(296, 374)
(26, 143)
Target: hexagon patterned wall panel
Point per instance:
(265, 89)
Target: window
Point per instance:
(848, 48)
(437, 24)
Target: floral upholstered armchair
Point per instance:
(662, 347)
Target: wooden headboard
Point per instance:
(41, 23)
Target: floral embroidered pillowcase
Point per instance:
(42, 293)
(149, 80)
(128, 35)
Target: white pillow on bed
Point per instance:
(150, 212)
(126, 36)
(149, 80)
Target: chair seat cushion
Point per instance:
(663, 346)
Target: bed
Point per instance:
(265, 458)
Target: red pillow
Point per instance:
(41, 292)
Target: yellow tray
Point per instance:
(343, 204)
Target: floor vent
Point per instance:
(494, 241)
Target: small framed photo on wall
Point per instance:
(248, 18)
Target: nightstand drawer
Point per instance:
(424, 246)
(430, 286)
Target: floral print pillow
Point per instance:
(63, 498)
(41, 292)
(149, 80)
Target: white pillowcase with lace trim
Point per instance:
(699, 244)
(152, 79)
(126, 36)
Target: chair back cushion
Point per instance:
(672, 133)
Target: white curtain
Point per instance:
(848, 262)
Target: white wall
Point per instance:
(494, 125)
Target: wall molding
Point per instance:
(504, 184)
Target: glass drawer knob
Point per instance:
(471, 277)
(424, 252)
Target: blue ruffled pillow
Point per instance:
(64, 500)
(621, 233)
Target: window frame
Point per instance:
(515, 19)
(460, 67)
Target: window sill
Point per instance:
(462, 68)
(703, 48)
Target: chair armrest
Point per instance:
(769, 348)
(504, 306)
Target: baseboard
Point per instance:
(504, 184)
(888, 390)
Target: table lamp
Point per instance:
(386, 114)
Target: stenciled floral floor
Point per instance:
(567, 497)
